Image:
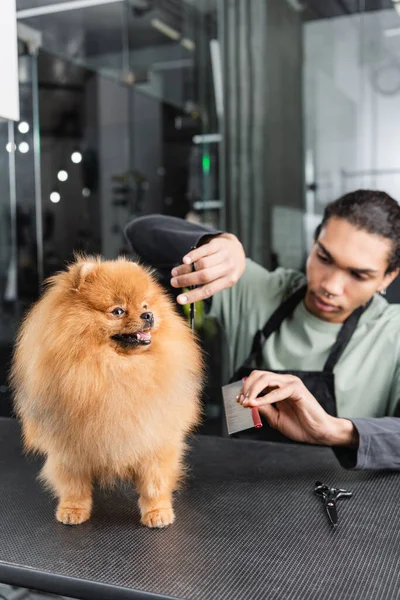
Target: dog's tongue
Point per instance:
(143, 335)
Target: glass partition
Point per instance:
(166, 54)
(20, 220)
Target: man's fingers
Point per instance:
(202, 292)
(277, 395)
(255, 389)
(202, 278)
(278, 390)
(202, 267)
(198, 253)
(181, 270)
(271, 414)
(258, 381)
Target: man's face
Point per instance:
(345, 268)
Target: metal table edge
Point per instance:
(81, 589)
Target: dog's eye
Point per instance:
(117, 312)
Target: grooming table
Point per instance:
(248, 526)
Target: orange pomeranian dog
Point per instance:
(107, 377)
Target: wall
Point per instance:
(352, 100)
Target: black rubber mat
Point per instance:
(248, 527)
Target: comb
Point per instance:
(238, 417)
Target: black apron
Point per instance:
(321, 384)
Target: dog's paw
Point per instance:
(161, 517)
(72, 515)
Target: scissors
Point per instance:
(330, 496)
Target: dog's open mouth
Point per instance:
(142, 338)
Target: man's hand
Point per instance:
(291, 409)
(219, 264)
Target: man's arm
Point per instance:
(165, 243)
(378, 447)
(379, 438)
(362, 443)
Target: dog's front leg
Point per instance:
(156, 479)
(72, 487)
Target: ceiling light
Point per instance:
(23, 127)
(397, 8)
(86, 192)
(23, 147)
(216, 65)
(50, 9)
(62, 175)
(9, 147)
(165, 29)
(55, 197)
(76, 157)
(188, 44)
(207, 138)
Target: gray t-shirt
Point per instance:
(367, 382)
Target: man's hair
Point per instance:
(372, 211)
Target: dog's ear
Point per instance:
(83, 271)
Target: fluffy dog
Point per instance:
(107, 378)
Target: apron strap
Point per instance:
(283, 311)
(274, 322)
(343, 338)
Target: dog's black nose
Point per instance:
(148, 318)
